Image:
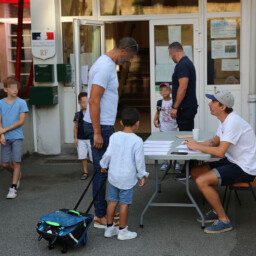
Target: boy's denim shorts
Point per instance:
(124, 196)
(12, 151)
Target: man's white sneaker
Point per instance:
(18, 183)
(12, 193)
(111, 231)
(125, 234)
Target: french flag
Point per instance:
(45, 36)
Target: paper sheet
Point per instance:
(162, 56)
(155, 153)
(156, 150)
(164, 72)
(158, 142)
(84, 74)
(147, 145)
(223, 28)
(188, 51)
(230, 65)
(224, 49)
(190, 151)
(174, 34)
(182, 146)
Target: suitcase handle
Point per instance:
(82, 196)
(97, 193)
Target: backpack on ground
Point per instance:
(65, 227)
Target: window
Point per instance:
(76, 7)
(223, 51)
(223, 6)
(89, 45)
(11, 10)
(26, 53)
(147, 7)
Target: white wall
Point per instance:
(45, 16)
(69, 109)
(28, 142)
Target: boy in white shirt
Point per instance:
(163, 119)
(124, 155)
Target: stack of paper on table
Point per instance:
(153, 147)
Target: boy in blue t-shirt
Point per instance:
(12, 116)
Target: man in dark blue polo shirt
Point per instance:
(183, 88)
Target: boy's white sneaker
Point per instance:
(125, 234)
(12, 193)
(111, 231)
(18, 183)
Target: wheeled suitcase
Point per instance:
(67, 227)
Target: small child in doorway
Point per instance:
(163, 118)
(82, 143)
(124, 155)
(12, 116)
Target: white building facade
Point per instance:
(219, 37)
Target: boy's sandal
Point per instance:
(84, 176)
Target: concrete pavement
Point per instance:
(51, 183)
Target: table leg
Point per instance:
(190, 196)
(153, 196)
(171, 166)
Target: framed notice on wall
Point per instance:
(43, 44)
(224, 49)
(223, 28)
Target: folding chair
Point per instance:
(239, 186)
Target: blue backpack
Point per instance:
(67, 227)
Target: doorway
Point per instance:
(134, 78)
(163, 33)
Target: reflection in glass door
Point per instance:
(162, 34)
(88, 46)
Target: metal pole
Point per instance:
(19, 40)
(30, 80)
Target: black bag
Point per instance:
(67, 227)
(159, 108)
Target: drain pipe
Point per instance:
(252, 110)
(252, 90)
(34, 128)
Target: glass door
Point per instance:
(162, 34)
(89, 44)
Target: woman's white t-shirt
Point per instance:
(240, 134)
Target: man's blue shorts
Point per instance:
(229, 173)
(124, 196)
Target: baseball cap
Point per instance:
(224, 97)
(165, 84)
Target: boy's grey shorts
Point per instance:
(12, 151)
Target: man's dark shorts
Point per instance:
(229, 173)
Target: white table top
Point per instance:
(171, 136)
